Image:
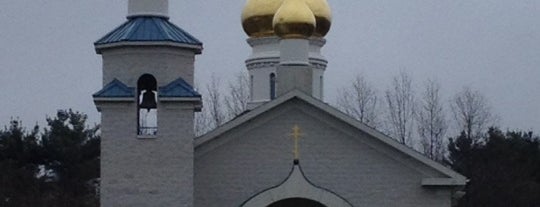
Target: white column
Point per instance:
(294, 71)
(159, 8)
(294, 52)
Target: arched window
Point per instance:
(272, 85)
(251, 89)
(147, 105)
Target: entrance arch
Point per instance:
(296, 202)
(295, 191)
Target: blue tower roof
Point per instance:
(115, 89)
(178, 88)
(148, 29)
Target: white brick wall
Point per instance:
(147, 172)
(164, 63)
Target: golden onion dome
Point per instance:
(294, 19)
(257, 17)
(323, 16)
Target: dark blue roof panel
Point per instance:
(178, 88)
(115, 89)
(151, 29)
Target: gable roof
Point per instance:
(148, 29)
(455, 179)
(115, 89)
(178, 88)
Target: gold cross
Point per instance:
(296, 134)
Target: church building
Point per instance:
(289, 149)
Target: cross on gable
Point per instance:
(296, 135)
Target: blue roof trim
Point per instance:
(148, 29)
(115, 89)
(178, 88)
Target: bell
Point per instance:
(148, 101)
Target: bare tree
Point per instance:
(431, 122)
(201, 123)
(213, 104)
(400, 102)
(238, 96)
(359, 101)
(221, 105)
(472, 113)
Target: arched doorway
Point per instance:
(296, 202)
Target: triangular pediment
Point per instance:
(383, 143)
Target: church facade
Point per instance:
(289, 149)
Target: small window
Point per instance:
(272, 86)
(251, 87)
(147, 105)
(321, 87)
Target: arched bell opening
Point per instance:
(147, 105)
(296, 202)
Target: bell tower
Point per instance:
(147, 106)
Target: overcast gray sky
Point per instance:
(48, 61)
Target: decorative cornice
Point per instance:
(261, 63)
(318, 65)
(319, 41)
(254, 41)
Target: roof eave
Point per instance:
(180, 99)
(114, 99)
(442, 182)
(100, 47)
(196, 100)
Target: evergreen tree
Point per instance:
(503, 171)
(19, 166)
(59, 167)
(72, 158)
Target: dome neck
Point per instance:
(294, 71)
(294, 52)
(157, 8)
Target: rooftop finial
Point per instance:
(158, 8)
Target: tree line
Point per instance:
(503, 169)
(419, 119)
(57, 166)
